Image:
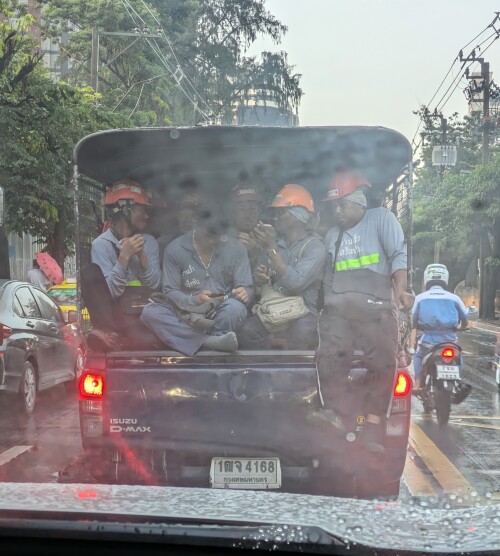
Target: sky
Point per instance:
(373, 62)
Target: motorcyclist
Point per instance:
(121, 256)
(438, 313)
(365, 273)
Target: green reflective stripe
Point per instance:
(134, 283)
(365, 260)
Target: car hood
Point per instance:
(389, 525)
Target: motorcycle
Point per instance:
(442, 380)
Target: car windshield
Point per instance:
(63, 296)
(274, 230)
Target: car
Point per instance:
(39, 348)
(65, 295)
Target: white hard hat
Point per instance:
(436, 272)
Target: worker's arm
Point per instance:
(404, 299)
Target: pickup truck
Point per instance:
(237, 420)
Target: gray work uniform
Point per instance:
(184, 276)
(105, 251)
(302, 277)
(358, 310)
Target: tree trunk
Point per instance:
(57, 249)
(4, 254)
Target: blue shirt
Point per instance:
(438, 313)
(184, 275)
(105, 251)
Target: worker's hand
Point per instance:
(261, 275)
(265, 235)
(241, 294)
(132, 245)
(249, 241)
(405, 300)
(203, 297)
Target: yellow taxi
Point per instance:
(65, 296)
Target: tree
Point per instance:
(41, 122)
(460, 209)
(204, 44)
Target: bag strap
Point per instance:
(303, 247)
(337, 249)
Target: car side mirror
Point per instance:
(72, 317)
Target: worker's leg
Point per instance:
(173, 332)
(229, 317)
(253, 334)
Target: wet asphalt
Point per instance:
(464, 456)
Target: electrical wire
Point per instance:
(173, 71)
(496, 34)
(138, 100)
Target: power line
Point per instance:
(454, 84)
(176, 72)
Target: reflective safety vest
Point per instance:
(364, 260)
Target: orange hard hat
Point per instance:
(126, 190)
(293, 195)
(345, 183)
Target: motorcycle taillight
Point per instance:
(448, 354)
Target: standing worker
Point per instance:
(365, 273)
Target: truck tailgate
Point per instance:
(212, 400)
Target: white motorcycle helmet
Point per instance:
(436, 272)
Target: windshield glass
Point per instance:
(280, 222)
(64, 296)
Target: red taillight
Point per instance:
(448, 353)
(403, 385)
(91, 385)
(5, 333)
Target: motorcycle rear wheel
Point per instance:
(443, 407)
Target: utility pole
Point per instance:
(485, 147)
(485, 74)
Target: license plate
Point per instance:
(249, 473)
(448, 372)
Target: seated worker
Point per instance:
(295, 257)
(121, 256)
(181, 222)
(196, 267)
(245, 211)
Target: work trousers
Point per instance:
(180, 336)
(302, 334)
(375, 333)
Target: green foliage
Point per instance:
(210, 39)
(453, 206)
(41, 122)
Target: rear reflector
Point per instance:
(396, 426)
(403, 385)
(92, 427)
(91, 385)
(448, 353)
